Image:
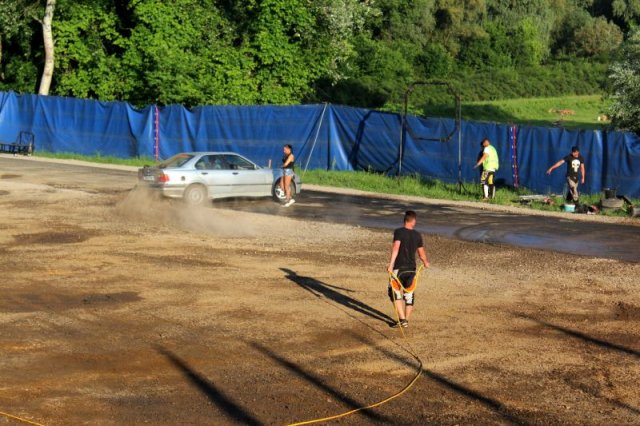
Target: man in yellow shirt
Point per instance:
(490, 164)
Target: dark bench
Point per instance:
(24, 144)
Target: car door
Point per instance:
(217, 175)
(249, 179)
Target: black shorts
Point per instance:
(406, 280)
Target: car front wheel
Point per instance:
(195, 195)
(279, 194)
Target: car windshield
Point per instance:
(236, 162)
(176, 161)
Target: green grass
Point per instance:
(532, 111)
(435, 189)
(137, 162)
(372, 182)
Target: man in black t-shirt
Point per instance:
(406, 242)
(575, 163)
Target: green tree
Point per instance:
(434, 61)
(628, 10)
(15, 32)
(624, 87)
(383, 69)
(492, 50)
(182, 52)
(88, 48)
(410, 21)
(597, 37)
(339, 22)
(528, 25)
(283, 42)
(530, 44)
(457, 22)
(563, 34)
(358, 52)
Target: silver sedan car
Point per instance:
(198, 176)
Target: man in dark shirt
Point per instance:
(575, 163)
(406, 242)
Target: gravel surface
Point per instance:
(119, 308)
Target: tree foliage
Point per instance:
(624, 80)
(358, 52)
(15, 35)
(181, 52)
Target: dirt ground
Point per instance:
(118, 308)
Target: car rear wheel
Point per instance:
(279, 194)
(195, 195)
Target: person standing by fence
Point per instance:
(490, 163)
(575, 163)
(288, 162)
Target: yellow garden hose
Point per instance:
(395, 395)
(347, 413)
(20, 419)
(396, 283)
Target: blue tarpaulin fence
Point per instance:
(323, 136)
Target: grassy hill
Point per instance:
(571, 112)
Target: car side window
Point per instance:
(176, 161)
(211, 162)
(201, 164)
(239, 163)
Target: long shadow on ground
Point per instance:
(215, 395)
(492, 404)
(594, 341)
(320, 384)
(330, 292)
(582, 336)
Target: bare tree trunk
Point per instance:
(1, 68)
(47, 35)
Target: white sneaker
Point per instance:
(288, 203)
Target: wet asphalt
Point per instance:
(614, 241)
(605, 240)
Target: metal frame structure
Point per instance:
(457, 129)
